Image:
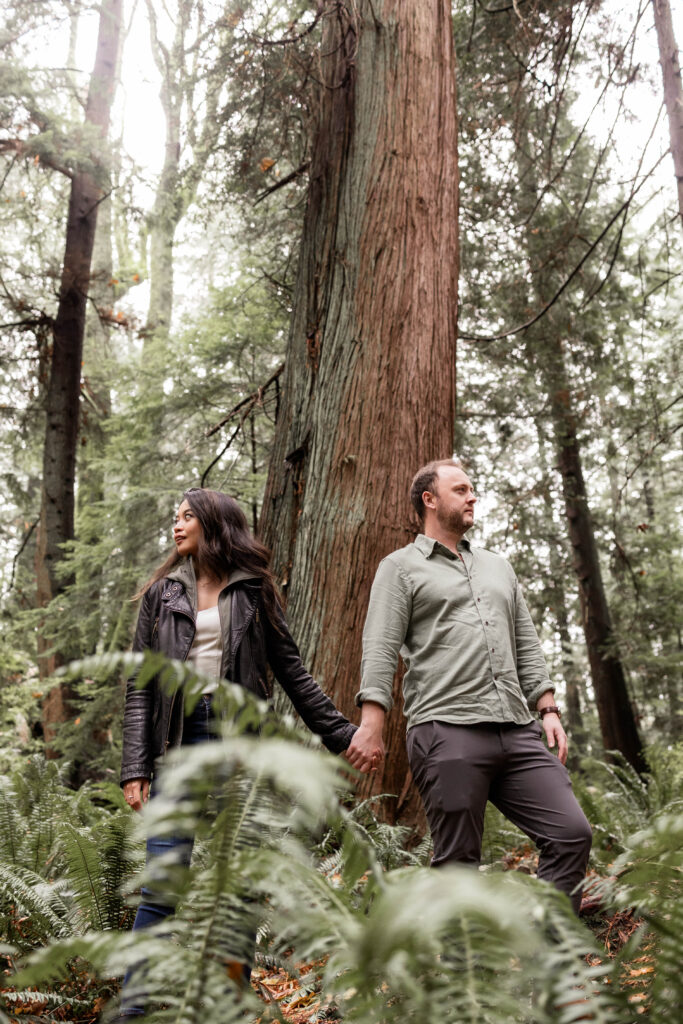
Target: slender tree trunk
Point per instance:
(572, 677)
(177, 187)
(164, 221)
(545, 346)
(617, 721)
(62, 400)
(369, 392)
(96, 409)
(673, 88)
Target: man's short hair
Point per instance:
(425, 479)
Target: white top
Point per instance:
(206, 652)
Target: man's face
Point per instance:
(452, 501)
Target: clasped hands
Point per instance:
(366, 753)
(366, 750)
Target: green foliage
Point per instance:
(64, 856)
(97, 868)
(619, 803)
(388, 842)
(33, 911)
(395, 943)
(537, 190)
(648, 876)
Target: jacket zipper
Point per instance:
(170, 710)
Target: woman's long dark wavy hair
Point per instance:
(225, 544)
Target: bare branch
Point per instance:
(286, 40)
(251, 400)
(285, 181)
(534, 319)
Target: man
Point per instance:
(474, 673)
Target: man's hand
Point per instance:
(366, 750)
(554, 733)
(136, 793)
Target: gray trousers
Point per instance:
(457, 768)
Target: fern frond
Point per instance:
(97, 868)
(649, 877)
(39, 1001)
(11, 831)
(32, 910)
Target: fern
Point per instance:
(618, 802)
(10, 823)
(454, 945)
(649, 877)
(32, 911)
(97, 869)
(447, 945)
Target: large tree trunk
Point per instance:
(673, 88)
(62, 400)
(369, 391)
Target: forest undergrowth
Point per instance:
(349, 922)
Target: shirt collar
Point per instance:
(429, 546)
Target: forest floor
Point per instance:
(299, 996)
(305, 1003)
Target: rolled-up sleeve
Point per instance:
(532, 671)
(385, 630)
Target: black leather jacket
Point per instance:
(153, 720)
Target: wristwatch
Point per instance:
(551, 709)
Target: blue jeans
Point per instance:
(197, 728)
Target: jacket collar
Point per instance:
(184, 573)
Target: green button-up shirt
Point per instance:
(463, 629)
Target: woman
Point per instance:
(213, 603)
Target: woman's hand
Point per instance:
(136, 793)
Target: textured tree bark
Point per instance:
(96, 409)
(369, 388)
(63, 393)
(673, 88)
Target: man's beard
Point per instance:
(453, 521)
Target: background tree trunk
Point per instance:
(617, 720)
(177, 186)
(573, 721)
(546, 350)
(63, 393)
(369, 390)
(673, 88)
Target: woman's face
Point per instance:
(186, 531)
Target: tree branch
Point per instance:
(23, 148)
(286, 40)
(251, 400)
(27, 537)
(285, 181)
(541, 313)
